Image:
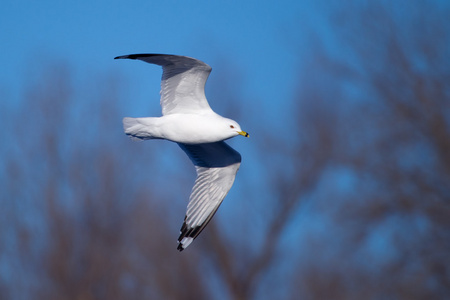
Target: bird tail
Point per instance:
(138, 128)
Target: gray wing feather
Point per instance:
(182, 83)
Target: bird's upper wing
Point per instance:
(182, 84)
(216, 165)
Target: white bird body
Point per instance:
(189, 121)
(189, 129)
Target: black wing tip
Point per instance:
(130, 56)
(166, 59)
(140, 55)
(187, 236)
(184, 242)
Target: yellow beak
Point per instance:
(243, 133)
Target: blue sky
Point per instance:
(260, 38)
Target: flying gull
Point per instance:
(188, 120)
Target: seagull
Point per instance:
(188, 120)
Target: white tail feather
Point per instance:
(138, 128)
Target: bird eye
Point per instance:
(231, 126)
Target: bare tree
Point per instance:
(84, 224)
(390, 234)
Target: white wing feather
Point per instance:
(216, 165)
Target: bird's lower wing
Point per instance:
(216, 165)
